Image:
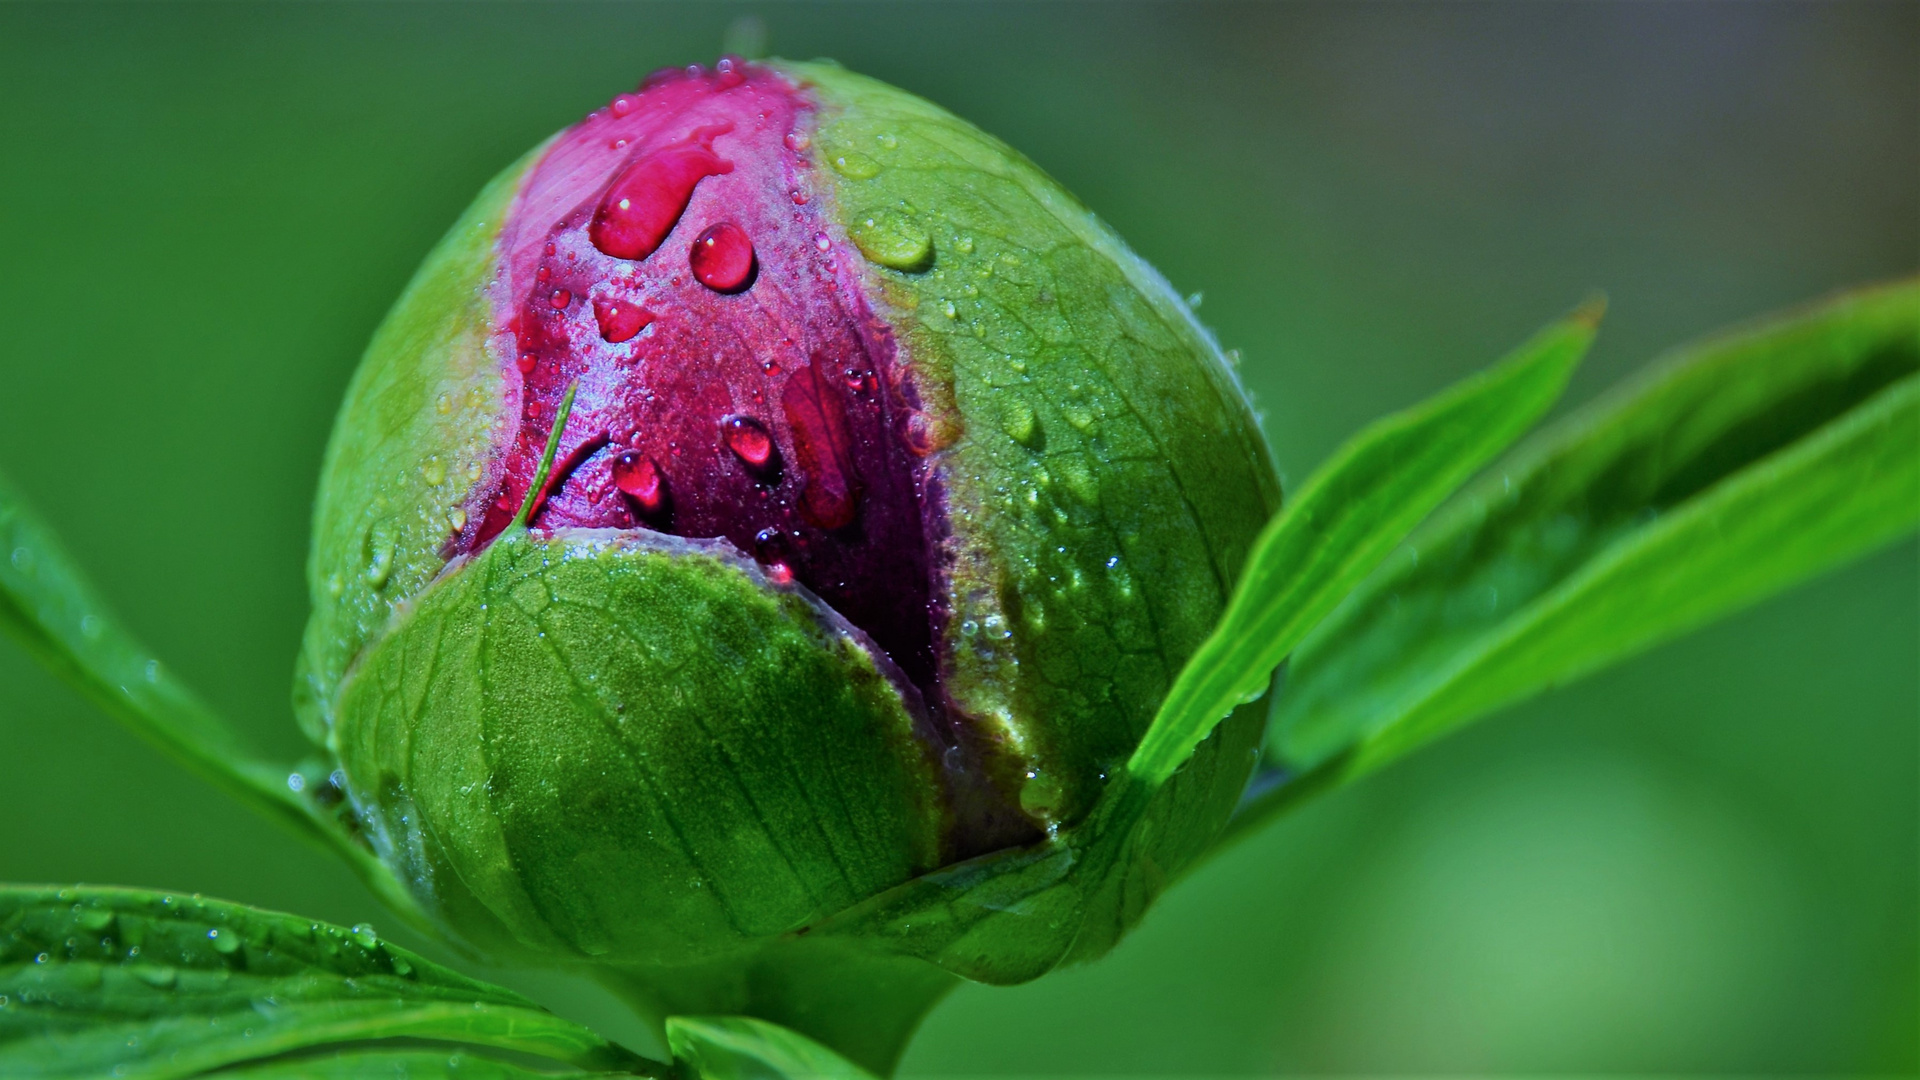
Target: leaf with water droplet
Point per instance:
(184, 1007)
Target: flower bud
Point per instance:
(894, 492)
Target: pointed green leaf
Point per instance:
(48, 605)
(119, 982)
(1728, 473)
(743, 1048)
(406, 1065)
(1346, 519)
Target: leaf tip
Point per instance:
(1590, 311)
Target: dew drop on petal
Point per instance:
(620, 320)
(638, 477)
(748, 439)
(722, 258)
(770, 546)
(646, 200)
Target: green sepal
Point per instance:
(626, 747)
(1103, 475)
(412, 452)
(1729, 472)
(98, 982)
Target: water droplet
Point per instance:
(619, 320)
(296, 783)
(639, 477)
(822, 242)
(728, 74)
(797, 141)
(887, 140)
(722, 258)
(443, 404)
(621, 105)
(559, 298)
(646, 200)
(363, 933)
(858, 381)
(434, 471)
(380, 567)
(856, 166)
(749, 441)
(23, 560)
(963, 244)
(226, 943)
(526, 363)
(91, 627)
(40, 958)
(401, 967)
(770, 545)
(1023, 427)
(894, 242)
(457, 519)
(947, 309)
(542, 274)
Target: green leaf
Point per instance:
(1346, 519)
(404, 1065)
(1725, 474)
(743, 1048)
(48, 605)
(119, 982)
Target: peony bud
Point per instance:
(894, 492)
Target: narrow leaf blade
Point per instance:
(1346, 519)
(47, 604)
(99, 982)
(743, 1048)
(1730, 471)
(1849, 488)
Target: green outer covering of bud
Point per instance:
(638, 751)
(414, 438)
(629, 746)
(1107, 475)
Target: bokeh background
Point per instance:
(1703, 861)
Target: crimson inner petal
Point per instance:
(748, 394)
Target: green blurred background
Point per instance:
(1705, 860)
